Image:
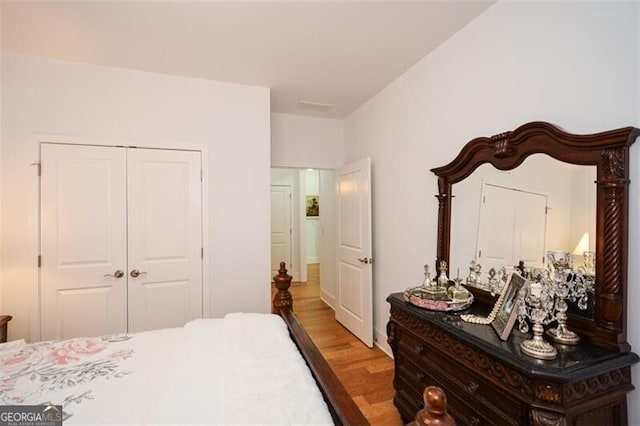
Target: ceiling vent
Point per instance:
(318, 106)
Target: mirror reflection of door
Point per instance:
(512, 227)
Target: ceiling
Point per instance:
(332, 55)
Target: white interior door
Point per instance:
(83, 241)
(354, 286)
(512, 227)
(165, 238)
(280, 227)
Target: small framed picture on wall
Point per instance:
(313, 206)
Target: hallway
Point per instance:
(367, 374)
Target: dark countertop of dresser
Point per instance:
(572, 364)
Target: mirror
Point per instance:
(510, 152)
(499, 218)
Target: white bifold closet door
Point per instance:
(121, 239)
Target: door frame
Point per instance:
(34, 248)
(302, 227)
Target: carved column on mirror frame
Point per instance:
(282, 300)
(444, 225)
(614, 184)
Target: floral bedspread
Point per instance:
(213, 371)
(66, 369)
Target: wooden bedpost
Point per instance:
(282, 299)
(434, 412)
(343, 409)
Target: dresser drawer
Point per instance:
(409, 400)
(421, 366)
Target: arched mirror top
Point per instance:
(609, 153)
(507, 150)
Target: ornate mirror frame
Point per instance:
(609, 152)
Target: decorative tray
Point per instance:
(416, 298)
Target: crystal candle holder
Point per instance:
(539, 310)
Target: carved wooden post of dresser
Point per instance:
(4, 319)
(434, 412)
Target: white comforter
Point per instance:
(243, 369)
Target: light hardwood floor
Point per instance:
(367, 374)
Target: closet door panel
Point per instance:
(165, 238)
(83, 241)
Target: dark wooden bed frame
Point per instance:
(343, 409)
(341, 406)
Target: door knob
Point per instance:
(116, 274)
(135, 273)
(365, 260)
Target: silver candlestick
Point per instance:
(569, 285)
(538, 308)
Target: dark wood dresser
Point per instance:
(490, 382)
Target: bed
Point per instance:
(242, 369)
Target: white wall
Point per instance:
(1, 239)
(633, 316)
(301, 141)
(310, 142)
(312, 182)
(583, 208)
(573, 64)
(312, 224)
(69, 99)
(312, 236)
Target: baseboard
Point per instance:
(328, 298)
(313, 259)
(380, 340)
(295, 274)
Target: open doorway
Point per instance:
(303, 203)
